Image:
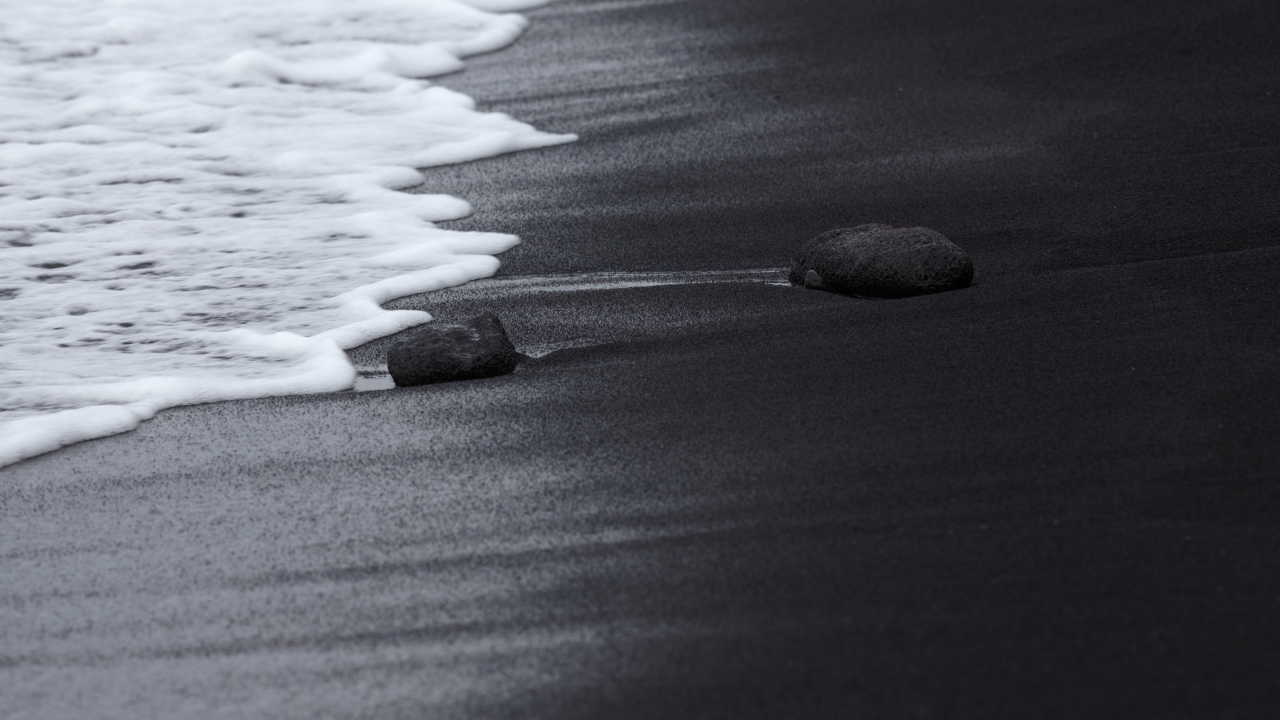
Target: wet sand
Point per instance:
(1053, 494)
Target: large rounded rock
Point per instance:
(882, 261)
(440, 353)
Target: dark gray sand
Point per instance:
(1053, 494)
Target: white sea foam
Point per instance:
(200, 201)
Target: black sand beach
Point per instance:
(1053, 494)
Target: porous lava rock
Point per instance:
(882, 261)
(434, 353)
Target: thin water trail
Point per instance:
(201, 201)
(534, 336)
(612, 280)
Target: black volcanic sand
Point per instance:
(1053, 494)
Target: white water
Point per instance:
(198, 201)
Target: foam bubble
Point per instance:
(197, 216)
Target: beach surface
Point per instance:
(1053, 494)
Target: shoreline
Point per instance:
(274, 166)
(1051, 494)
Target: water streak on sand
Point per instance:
(522, 287)
(189, 217)
(609, 280)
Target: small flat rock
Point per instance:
(434, 353)
(882, 261)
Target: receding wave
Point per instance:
(202, 201)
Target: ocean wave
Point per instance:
(202, 201)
